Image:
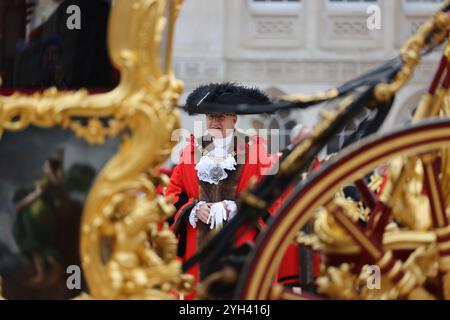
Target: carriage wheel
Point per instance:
(404, 276)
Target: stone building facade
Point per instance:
(297, 46)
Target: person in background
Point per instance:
(299, 266)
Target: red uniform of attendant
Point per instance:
(289, 269)
(185, 180)
(216, 177)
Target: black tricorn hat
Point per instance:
(223, 94)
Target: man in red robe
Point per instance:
(214, 169)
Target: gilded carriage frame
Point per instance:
(122, 203)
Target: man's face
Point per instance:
(220, 124)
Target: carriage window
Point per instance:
(50, 44)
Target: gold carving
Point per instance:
(127, 249)
(314, 98)
(409, 229)
(122, 208)
(436, 27)
(343, 283)
(338, 283)
(412, 207)
(252, 200)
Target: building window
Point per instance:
(421, 7)
(346, 20)
(424, 2)
(276, 1)
(353, 2)
(350, 5)
(275, 6)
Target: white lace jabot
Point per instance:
(211, 171)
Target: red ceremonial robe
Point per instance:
(184, 180)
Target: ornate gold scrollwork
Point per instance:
(403, 192)
(437, 26)
(313, 98)
(122, 207)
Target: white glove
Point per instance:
(217, 215)
(231, 207)
(193, 215)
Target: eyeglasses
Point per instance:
(217, 116)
